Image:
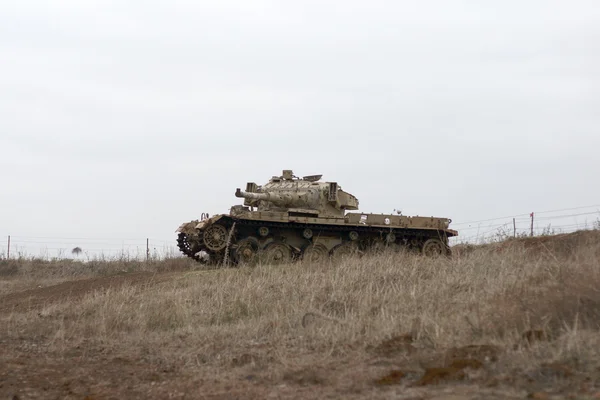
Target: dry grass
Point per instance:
(360, 328)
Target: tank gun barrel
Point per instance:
(252, 196)
(279, 199)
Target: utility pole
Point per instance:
(8, 251)
(514, 228)
(147, 249)
(531, 215)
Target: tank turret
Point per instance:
(305, 195)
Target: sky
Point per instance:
(123, 119)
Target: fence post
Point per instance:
(8, 251)
(531, 215)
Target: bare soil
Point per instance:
(36, 298)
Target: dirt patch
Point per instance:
(394, 346)
(434, 376)
(40, 297)
(394, 377)
(466, 363)
(482, 353)
(306, 376)
(538, 395)
(555, 370)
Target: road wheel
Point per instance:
(315, 253)
(277, 253)
(434, 248)
(344, 251)
(246, 251)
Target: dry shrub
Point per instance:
(8, 268)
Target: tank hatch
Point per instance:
(312, 178)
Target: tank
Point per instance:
(291, 218)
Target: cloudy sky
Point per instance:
(125, 118)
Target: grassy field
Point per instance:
(516, 319)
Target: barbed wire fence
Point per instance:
(87, 248)
(546, 222)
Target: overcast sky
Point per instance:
(126, 118)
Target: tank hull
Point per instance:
(244, 236)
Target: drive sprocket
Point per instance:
(188, 247)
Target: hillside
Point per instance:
(508, 320)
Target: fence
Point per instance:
(87, 248)
(531, 224)
(479, 231)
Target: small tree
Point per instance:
(76, 251)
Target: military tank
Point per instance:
(291, 218)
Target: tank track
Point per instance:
(406, 237)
